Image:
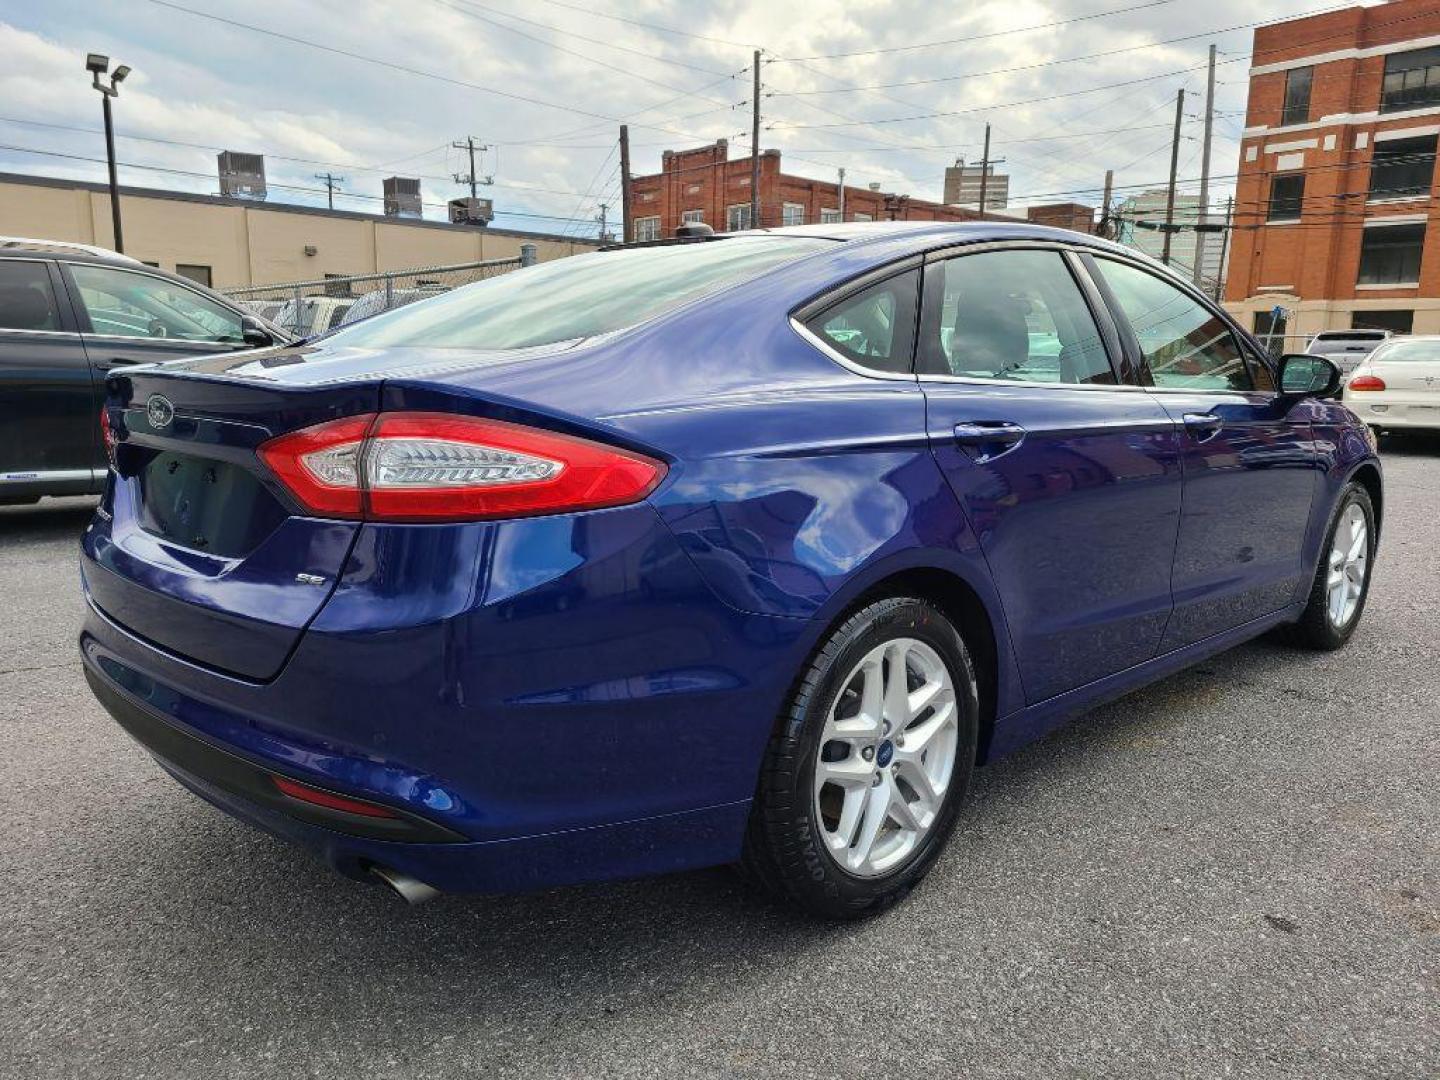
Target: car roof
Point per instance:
(29, 245)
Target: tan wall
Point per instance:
(253, 245)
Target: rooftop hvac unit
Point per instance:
(402, 196)
(242, 175)
(468, 211)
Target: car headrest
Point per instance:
(989, 332)
(24, 308)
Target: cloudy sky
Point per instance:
(369, 88)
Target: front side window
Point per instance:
(1390, 254)
(121, 303)
(1287, 197)
(792, 213)
(27, 301)
(647, 228)
(1412, 80)
(577, 297)
(875, 327)
(737, 217)
(1402, 167)
(1184, 343)
(1014, 316)
(1297, 96)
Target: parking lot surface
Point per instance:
(1233, 873)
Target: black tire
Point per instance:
(1315, 630)
(784, 851)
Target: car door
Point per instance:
(1070, 478)
(49, 436)
(1250, 470)
(132, 317)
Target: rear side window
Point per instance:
(1185, 345)
(1014, 316)
(577, 297)
(875, 327)
(27, 301)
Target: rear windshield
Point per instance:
(1408, 350)
(576, 297)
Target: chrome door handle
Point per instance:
(985, 440)
(989, 431)
(1204, 426)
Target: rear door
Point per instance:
(1069, 477)
(1251, 471)
(133, 317)
(49, 435)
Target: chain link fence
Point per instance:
(305, 308)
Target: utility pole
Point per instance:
(842, 193)
(98, 64)
(1104, 229)
(1204, 215)
(472, 178)
(755, 147)
(1174, 165)
(627, 230)
(985, 171)
(1224, 248)
(332, 184)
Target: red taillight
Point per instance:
(107, 435)
(329, 800)
(1367, 382)
(443, 467)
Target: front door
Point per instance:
(49, 423)
(1250, 470)
(1070, 479)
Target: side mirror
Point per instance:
(1302, 375)
(253, 332)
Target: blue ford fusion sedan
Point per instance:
(736, 549)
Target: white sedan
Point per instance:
(1398, 385)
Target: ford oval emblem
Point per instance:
(159, 411)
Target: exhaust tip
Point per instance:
(411, 890)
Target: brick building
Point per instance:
(1066, 215)
(705, 184)
(1334, 208)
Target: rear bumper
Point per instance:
(601, 718)
(1377, 412)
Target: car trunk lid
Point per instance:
(203, 552)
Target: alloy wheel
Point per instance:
(1349, 555)
(886, 757)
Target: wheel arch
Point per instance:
(1367, 475)
(984, 633)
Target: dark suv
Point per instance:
(68, 314)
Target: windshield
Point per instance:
(577, 297)
(1408, 350)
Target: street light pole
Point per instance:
(98, 65)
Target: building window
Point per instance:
(1287, 194)
(1402, 167)
(792, 213)
(147, 262)
(1297, 96)
(863, 217)
(195, 272)
(647, 228)
(1269, 329)
(1390, 254)
(1412, 80)
(829, 216)
(1397, 322)
(737, 217)
(692, 217)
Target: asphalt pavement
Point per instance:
(1233, 873)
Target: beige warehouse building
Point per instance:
(229, 242)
